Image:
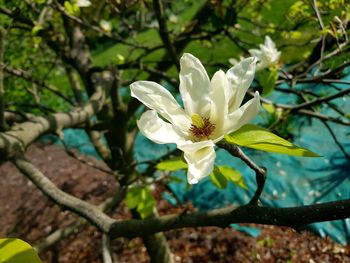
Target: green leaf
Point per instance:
(233, 176)
(255, 137)
(269, 108)
(218, 179)
(175, 179)
(36, 29)
(267, 79)
(142, 199)
(13, 250)
(39, 1)
(173, 164)
(133, 197)
(71, 8)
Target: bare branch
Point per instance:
(323, 117)
(107, 254)
(90, 212)
(296, 217)
(28, 77)
(108, 205)
(341, 147)
(320, 100)
(18, 138)
(3, 125)
(260, 172)
(164, 32)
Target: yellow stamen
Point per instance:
(197, 120)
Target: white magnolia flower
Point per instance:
(268, 55)
(83, 3)
(211, 110)
(106, 25)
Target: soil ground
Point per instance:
(28, 214)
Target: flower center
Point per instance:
(201, 127)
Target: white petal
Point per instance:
(255, 53)
(83, 3)
(192, 147)
(200, 164)
(219, 103)
(240, 77)
(269, 43)
(194, 85)
(157, 130)
(156, 97)
(243, 115)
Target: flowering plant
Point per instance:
(267, 55)
(212, 109)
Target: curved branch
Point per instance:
(260, 172)
(296, 217)
(20, 136)
(90, 212)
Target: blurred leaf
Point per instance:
(71, 8)
(255, 137)
(233, 176)
(36, 29)
(13, 250)
(173, 164)
(142, 199)
(175, 179)
(269, 108)
(267, 79)
(218, 179)
(221, 175)
(133, 197)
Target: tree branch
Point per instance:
(295, 217)
(260, 172)
(107, 254)
(3, 125)
(20, 136)
(164, 32)
(90, 212)
(28, 77)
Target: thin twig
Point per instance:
(322, 117)
(164, 32)
(3, 125)
(341, 147)
(28, 77)
(107, 254)
(260, 172)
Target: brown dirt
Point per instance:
(27, 214)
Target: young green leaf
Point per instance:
(142, 199)
(218, 179)
(133, 197)
(267, 79)
(71, 8)
(269, 108)
(173, 164)
(233, 176)
(14, 250)
(255, 137)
